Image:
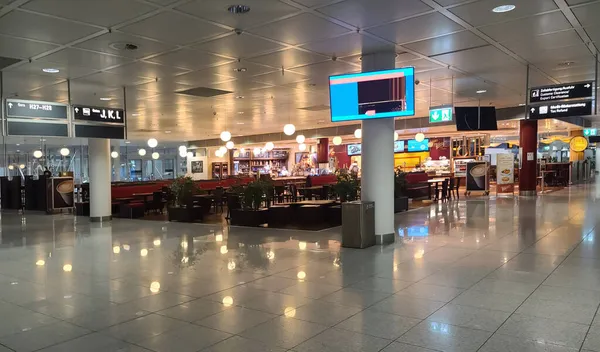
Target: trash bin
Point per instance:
(358, 224)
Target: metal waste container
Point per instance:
(358, 224)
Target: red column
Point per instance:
(323, 150)
(528, 143)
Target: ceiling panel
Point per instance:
(199, 78)
(422, 65)
(288, 58)
(188, 59)
(147, 69)
(239, 69)
(280, 78)
(347, 45)
(315, 3)
(239, 46)
(300, 29)
(471, 60)
(446, 44)
(181, 29)
(527, 27)
(530, 49)
(594, 34)
(559, 56)
(587, 14)
(145, 47)
(418, 28)
(113, 80)
(327, 68)
(84, 58)
(261, 11)
(480, 13)
(22, 48)
(66, 70)
(19, 82)
(366, 13)
(102, 13)
(32, 26)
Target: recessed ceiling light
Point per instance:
(239, 9)
(481, 91)
(51, 70)
(106, 99)
(240, 123)
(127, 142)
(241, 112)
(167, 132)
(566, 63)
(135, 114)
(521, 104)
(239, 97)
(18, 144)
(240, 69)
(503, 8)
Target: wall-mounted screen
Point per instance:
(398, 146)
(475, 118)
(372, 95)
(354, 149)
(414, 146)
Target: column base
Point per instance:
(100, 218)
(385, 239)
(528, 193)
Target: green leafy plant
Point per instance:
(400, 183)
(182, 190)
(347, 185)
(253, 195)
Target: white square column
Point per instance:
(100, 176)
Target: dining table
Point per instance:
(435, 183)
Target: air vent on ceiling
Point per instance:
(203, 92)
(316, 108)
(7, 61)
(124, 46)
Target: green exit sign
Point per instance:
(440, 115)
(590, 132)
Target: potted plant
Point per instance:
(181, 206)
(400, 185)
(347, 185)
(251, 213)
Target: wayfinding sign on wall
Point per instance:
(442, 114)
(35, 109)
(36, 118)
(561, 92)
(98, 114)
(590, 132)
(561, 109)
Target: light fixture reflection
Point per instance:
(419, 254)
(144, 252)
(40, 262)
(116, 249)
(184, 244)
(300, 139)
(270, 255)
(301, 275)
(231, 265)
(219, 238)
(227, 301)
(155, 287)
(224, 250)
(67, 268)
(126, 247)
(302, 245)
(289, 312)
(157, 242)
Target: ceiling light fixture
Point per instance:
(300, 139)
(225, 136)
(503, 8)
(269, 146)
(114, 155)
(396, 136)
(289, 129)
(256, 151)
(301, 147)
(106, 99)
(419, 137)
(223, 150)
(142, 152)
(337, 140)
(240, 123)
(155, 155)
(168, 132)
(152, 142)
(239, 97)
(238, 9)
(65, 151)
(51, 70)
(229, 145)
(358, 133)
(37, 154)
(481, 91)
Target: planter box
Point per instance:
(400, 204)
(247, 217)
(185, 214)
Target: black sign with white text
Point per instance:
(97, 114)
(35, 109)
(561, 109)
(561, 92)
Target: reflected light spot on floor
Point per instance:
(67, 268)
(227, 301)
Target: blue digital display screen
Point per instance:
(372, 95)
(414, 146)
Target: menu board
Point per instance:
(505, 173)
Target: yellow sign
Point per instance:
(579, 144)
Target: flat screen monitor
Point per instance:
(474, 118)
(414, 146)
(354, 149)
(398, 146)
(372, 95)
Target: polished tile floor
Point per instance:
(479, 275)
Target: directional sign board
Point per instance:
(590, 132)
(561, 92)
(443, 114)
(561, 109)
(35, 109)
(98, 114)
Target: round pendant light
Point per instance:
(256, 151)
(37, 154)
(218, 153)
(65, 151)
(223, 150)
(269, 146)
(114, 155)
(301, 147)
(182, 154)
(396, 136)
(155, 155)
(337, 140)
(190, 154)
(22, 166)
(300, 138)
(229, 145)
(182, 149)
(225, 136)
(11, 167)
(152, 142)
(419, 137)
(358, 133)
(289, 129)
(142, 152)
